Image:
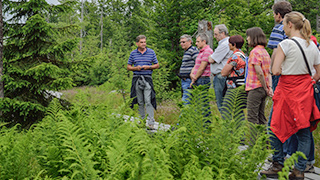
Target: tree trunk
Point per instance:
(101, 32)
(206, 27)
(1, 52)
(81, 30)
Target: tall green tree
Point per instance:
(172, 18)
(1, 52)
(309, 8)
(34, 61)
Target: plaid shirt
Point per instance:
(203, 56)
(258, 56)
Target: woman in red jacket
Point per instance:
(295, 111)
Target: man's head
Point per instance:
(280, 9)
(185, 41)
(141, 42)
(220, 32)
(202, 40)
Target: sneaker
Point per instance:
(296, 175)
(272, 172)
(309, 169)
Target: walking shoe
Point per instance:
(296, 175)
(309, 169)
(272, 172)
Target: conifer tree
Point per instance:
(34, 61)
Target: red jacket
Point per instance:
(294, 106)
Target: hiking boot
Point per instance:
(272, 172)
(296, 175)
(309, 169)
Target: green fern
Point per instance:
(289, 163)
(77, 155)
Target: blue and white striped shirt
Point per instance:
(276, 36)
(147, 58)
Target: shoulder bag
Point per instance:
(316, 86)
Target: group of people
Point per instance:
(284, 76)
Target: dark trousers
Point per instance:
(256, 102)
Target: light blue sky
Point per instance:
(52, 1)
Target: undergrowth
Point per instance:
(93, 142)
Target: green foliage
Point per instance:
(310, 9)
(93, 141)
(34, 62)
(289, 163)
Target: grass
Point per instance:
(167, 112)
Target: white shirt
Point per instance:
(294, 63)
(220, 55)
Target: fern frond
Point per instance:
(76, 151)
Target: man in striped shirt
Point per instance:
(188, 61)
(280, 9)
(142, 61)
(200, 74)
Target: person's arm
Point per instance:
(272, 57)
(278, 59)
(154, 66)
(316, 76)
(194, 77)
(261, 78)
(135, 68)
(191, 74)
(227, 69)
(219, 53)
(211, 61)
(201, 69)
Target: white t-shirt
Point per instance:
(294, 63)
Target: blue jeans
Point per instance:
(205, 81)
(185, 84)
(293, 145)
(304, 145)
(290, 146)
(219, 83)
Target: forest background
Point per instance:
(81, 48)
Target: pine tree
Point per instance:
(34, 61)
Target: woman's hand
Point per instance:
(269, 91)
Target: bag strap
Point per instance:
(304, 56)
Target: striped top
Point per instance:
(276, 36)
(189, 57)
(203, 56)
(147, 58)
(258, 56)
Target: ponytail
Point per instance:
(305, 31)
